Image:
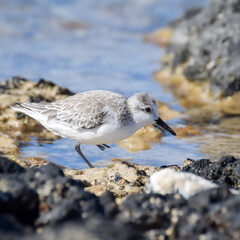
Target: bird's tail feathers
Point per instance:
(31, 109)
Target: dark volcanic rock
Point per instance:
(226, 171)
(7, 166)
(18, 199)
(11, 228)
(42, 83)
(109, 205)
(51, 185)
(42, 203)
(80, 205)
(44, 196)
(92, 229)
(28, 193)
(209, 44)
(212, 214)
(149, 211)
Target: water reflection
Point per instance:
(222, 138)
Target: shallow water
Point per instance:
(91, 44)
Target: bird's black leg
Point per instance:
(103, 147)
(107, 146)
(77, 147)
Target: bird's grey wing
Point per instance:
(79, 111)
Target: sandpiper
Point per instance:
(96, 117)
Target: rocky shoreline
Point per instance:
(40, 200)
(17, 127)
(201, 63)
(43, 203)
(198, 200)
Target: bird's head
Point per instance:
(145, 111)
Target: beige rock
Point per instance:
(26, 161)
(7, 144)
(14, 127)
(187, 131)
(190, 94)
(231, 104)
(142, 139)
(161, 37)
(22, 90)
(166, 113)
(187, 162)
(122, 178)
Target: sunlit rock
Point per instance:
(161, 37)
(187, 131)
(7, 144)
(142, 139)
(122, 178)
(201, 65)
(168, 181)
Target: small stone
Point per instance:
(187, 162)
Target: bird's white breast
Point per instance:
(105, 134)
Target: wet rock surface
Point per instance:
(39, 200)
(18, 89)
(226, 171)
(17, 129)
(202, 57)
(211, 46)
(42, 203)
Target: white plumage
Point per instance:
(96, 117)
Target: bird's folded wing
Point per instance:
(76, 112)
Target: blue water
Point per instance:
(90, 44)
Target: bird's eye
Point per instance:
(148, 109)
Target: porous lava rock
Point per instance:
(225, 171)
(42, 203)
(201, 64)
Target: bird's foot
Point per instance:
(103, 147)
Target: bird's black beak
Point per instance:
(162, 124)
